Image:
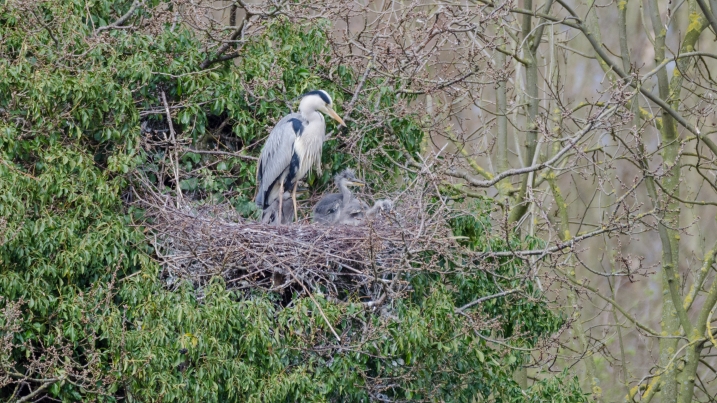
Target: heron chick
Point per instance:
(329, 208)
(293, 147)
(344, 208)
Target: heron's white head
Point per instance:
(319, 100)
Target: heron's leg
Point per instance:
(281, 199)
(293, 199)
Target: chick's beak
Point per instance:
(334, 115)
(356, 183)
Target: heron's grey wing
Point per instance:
(355, 206)
(275, 158)
(327, 209)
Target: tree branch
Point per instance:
(604, 56)
(519, 171)
(487, 298)
(122, 19)
(219, 57)
(708, 14)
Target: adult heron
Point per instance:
(344, 208)
(293, 147)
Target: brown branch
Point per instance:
(47, 383)
(604, 56)
(563, 245)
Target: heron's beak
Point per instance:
(356, 183)
(335, 115)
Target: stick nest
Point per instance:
(342, 262)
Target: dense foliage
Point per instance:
(85, 314)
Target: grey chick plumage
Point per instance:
(344, 208)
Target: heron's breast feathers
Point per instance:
(308, 147)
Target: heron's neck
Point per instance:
(345, 192)
(310, 115)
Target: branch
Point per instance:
(601, 53)
(511, 54)
(604, 56)
(218, 57)
(538, 35)
(122, 19)
(679, 56)
(710, 17)
(359, 87)
(479, 169)
(174, 146)
(703, 320)
(49, 31)
(489, 297)
(216, 152)
(439, 86)
(321, 311)
(47, 384)
(672, 196)
(519, 171)
(652, 387)
(616, 305)
(564, 245)
(697, 285)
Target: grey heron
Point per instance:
(270, 215)
(293, 147)
(344, 208)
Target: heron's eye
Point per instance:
(331, 211)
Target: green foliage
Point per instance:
(560, 388)
(516, 313)
(261, 354)
(90, 296)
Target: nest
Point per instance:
(342, 262)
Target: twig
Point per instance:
(175, 164)
(321, 311)
(489, 297)
(216, 152)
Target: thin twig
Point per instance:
(175, 163)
